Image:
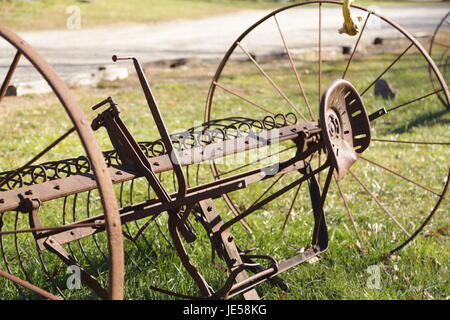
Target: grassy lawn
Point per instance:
(420, 271)
(52, 14)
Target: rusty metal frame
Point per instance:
(342, 141)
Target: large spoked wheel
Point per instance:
(439, 51)
(42, 272)
(282, 65)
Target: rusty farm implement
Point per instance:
(99, 211)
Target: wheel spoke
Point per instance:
(441, 44)
(35, 158)
(414, 100)
(294, 69)
(274, 85)
(291, 208)
(319, 160)
(401, 176)
(412, 142)
(356, 46)
(267, 190)
(231, 91)
(379, 203)
(388, 68)
(9, 75)
(268, 199)
(349, 213)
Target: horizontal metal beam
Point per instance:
(50, 190)
(154, 207)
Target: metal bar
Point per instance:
(9, 75)
(54, 228)
(320, 54)
(10, 200)
(229, 223)
(29, 286)
(280, 92)
(387, 69)
(36, 157)
(412, 142)
(154, 207)
(291, 208)
(162, 128)
(349, 213)
(294, 68)
(379, 203)
(414, 100)
(243, 98)
(401, 176)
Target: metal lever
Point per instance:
(162, 129)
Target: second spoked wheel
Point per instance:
(282, 64)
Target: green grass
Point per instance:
(52, 14)
(418, 272)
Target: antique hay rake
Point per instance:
(98, 213)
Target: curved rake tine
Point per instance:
(69, 245)
(147, 243)
(88, 210)
(80, 245)
(49, 276)
(127, 234)
(6, 260)
(16, 245)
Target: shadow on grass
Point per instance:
(427, 119)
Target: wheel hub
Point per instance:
(345, 125)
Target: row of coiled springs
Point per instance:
(210, 132)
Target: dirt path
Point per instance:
(72, 52)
